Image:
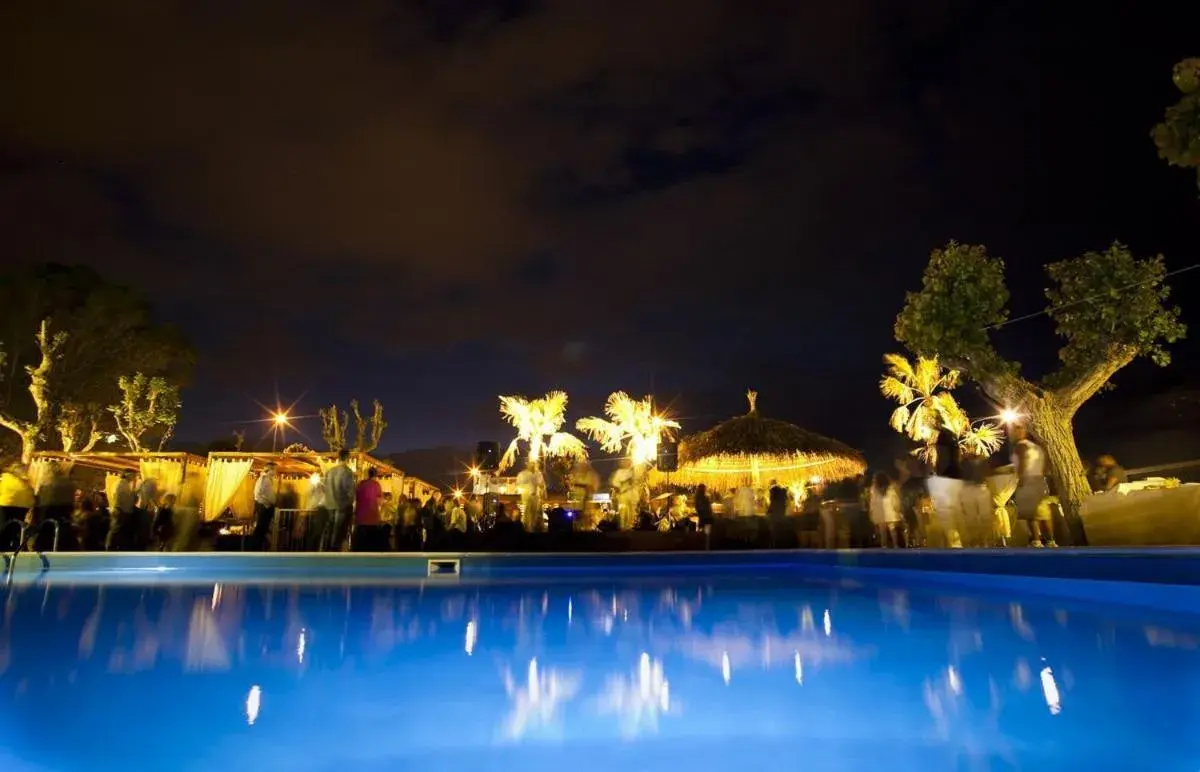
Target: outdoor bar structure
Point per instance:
(753, 450)
(222, 481)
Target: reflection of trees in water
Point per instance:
(535, 703)
(640, 699)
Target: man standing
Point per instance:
(339, 496)
(265, 491)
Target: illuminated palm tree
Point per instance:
(927, 406)
(539, 423)
(632, 428)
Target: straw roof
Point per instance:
(751, 449)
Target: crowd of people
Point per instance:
(59, 515)
(893, 509)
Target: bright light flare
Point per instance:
(1050, 692)
(631, 427)
(281, 419)
(253, 704)
(1009, 416)
(471, 637)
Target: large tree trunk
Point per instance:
(28, 445)
(1051, 425)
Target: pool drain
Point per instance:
(443, 567)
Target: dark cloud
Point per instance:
(579, 189)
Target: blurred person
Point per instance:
(16, 499)
(318, 513)
(122, 521)
(266, 490)
(1107, 474)
(777, 501)
(164, 523)
(745, 502)
(885, 510)
(704, 508)
(339, 496)
(370, 534)
(458, 516)
(56, 503)
(1029, 461)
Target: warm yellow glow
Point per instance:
(458, 493)
(314, 478)
(474, 471)
(732, 470)
(1009, 416)
(281, 419)
(632, 428)
(538, 423)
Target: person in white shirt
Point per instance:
(123, 524)
(885, 510)
(265, 491)
(318, 513)
(1029, 461)
(339, 497)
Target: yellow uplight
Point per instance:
(1009, 416)
(281, 419)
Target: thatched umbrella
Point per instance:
(752, 450)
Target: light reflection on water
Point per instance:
(711, 673)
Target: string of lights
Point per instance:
(1088, 299)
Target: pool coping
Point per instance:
(1158, 566)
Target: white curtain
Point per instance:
(39, 470)
(110, 488)
(167, 474)
(224, 479)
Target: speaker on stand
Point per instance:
(668, 456)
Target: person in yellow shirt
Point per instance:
(16, 499)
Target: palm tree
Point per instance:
(927, 406)
(538, 423)
(632, 428)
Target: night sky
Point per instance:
(437, 202)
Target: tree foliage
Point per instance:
(631, 427)
(109, 331)
(1108, 307)
(30, 429)
(368, 431)
(334, 425)
(147, 404)
(926, 407)
(1178, 135)
(539, 425)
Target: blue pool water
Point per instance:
(743, 671)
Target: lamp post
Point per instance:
(281, 423)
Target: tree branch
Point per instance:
(1085, 385)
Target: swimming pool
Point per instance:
(754, 664)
